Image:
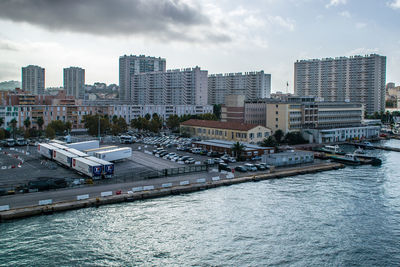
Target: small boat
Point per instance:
(346, 159)
(332, 150)
(367, 145)
(366, 159)
(359, 151)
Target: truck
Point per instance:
(21, 142)
(91, 152)
(63, 157)
(126, 139)
(58, 145)
(115, 154)
(76, 152)
(46, 150)
(84, 145)
(87, 167)
(108, 167)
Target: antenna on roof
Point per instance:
(287, 87)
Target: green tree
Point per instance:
(58, 126)
(279, 135)
(269, 142)
(2, 134)
(155, 125)
(147, 116)
(27, 123)
(91, 122)
(50, 132)
(13, 124)
(237, 149)
(40, 122)
(294, 138)
(67, 126)
(1, 121)
(217, 111)
(173, 122)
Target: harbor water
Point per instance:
(346, 217)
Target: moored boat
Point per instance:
(332, 150)
(346, 159)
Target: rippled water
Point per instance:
(340, 218)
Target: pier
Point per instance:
(387, 148)
(159, 192)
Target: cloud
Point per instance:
(335, 3)
(362, 51)
(162, 19)
(288, 24)
(395, 4)
(345, 14)
(361, 25)
(9, 45)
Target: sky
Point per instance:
(220, 36)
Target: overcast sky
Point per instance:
(219, 36)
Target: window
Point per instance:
(276, 112)
(276, 119)
(266, 134)
(276, 126)
(259, 135)
(251, 136)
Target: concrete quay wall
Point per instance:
(19, 213)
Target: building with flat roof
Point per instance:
(233, 109)
(252, 85)
(33, 79)
(288, 158)
(222, 146)
(228, 131)
(129, 65)
(357, 79)
(173, 87)
(74, 82)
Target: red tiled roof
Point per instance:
(220, 125)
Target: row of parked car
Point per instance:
(252, 167)
(160, 152)
(167, 141)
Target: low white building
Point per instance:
(288, 158)
(340, 134)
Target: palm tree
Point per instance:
(1, 121)
(27, 123)
(13, 124)
(237, 148)
(40, 123)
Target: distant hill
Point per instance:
(10, 85)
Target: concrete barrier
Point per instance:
(197, 163)
(215, 178)
(184, 183)
(137, 189)
(230, 175)
(201, 180)
(45, 202)
(106, 194)
(82, 197)
(148, 152)
(166, 185)
(148, 187)
(4, 207)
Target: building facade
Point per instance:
(129, 65)
(302, 113)
(358, 79)
(228, 131)
(74, 82)
(233, 110)
(173, 87)
(341, 134)
(252, 85)
(33, 79)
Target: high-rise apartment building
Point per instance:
(173, 87)
(252, 85)
(74, 82)
(358, 79)
(33, 79)
(132, 64)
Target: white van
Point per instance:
(250, 167)
(196, 150)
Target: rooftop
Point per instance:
(229, 144)
(220, 125)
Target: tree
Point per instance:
(1, 121)
(27, 123)
(269, 142)
(68, 126)
(237, 149)
(50, 132)
(147, 116)
(173, 122)
(278, 135)
(217, 111)
(295, 138)
(58, 126)
(13, 124)
(91, 123)
(40, 122)
(155, 125)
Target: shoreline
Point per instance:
(20, 213)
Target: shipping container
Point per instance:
(84, 145)
(108, 167)
(115, 154)
(59, 146)
(91, 152)
(76, 152)
(63, 157)
(57, 141)
(46, 150)
(87, 167)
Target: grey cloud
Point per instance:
(110, 17)
(6, 45)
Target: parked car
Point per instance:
(224, 167)
(209, 161)
(218, 160)
(203, 152)
(250, 167)
(240, 169)
(231, 159)
(213, 154)
(260, 167)
(255, 158)
(190, 161)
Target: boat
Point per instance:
(367, 145)
(366, 159)
(332, 150)
(350, 159)
(359, 151)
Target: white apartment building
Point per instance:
(357, 79)
(132, 64)
(253, 85)
(74, 82)
(33, 79)
(173, 87)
